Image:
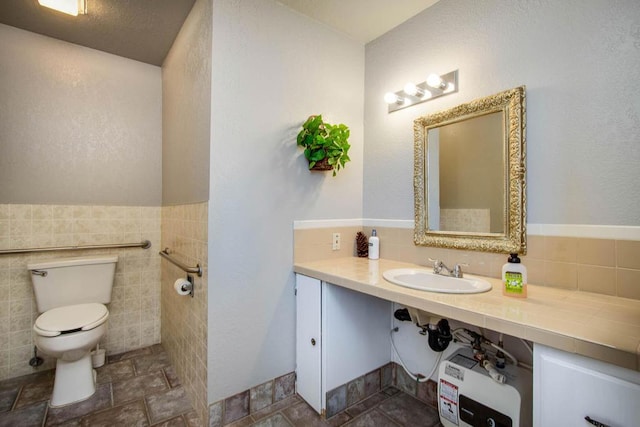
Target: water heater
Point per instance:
(468, 396)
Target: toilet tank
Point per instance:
(68, 281)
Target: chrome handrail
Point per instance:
(165, 254)
(145, 244)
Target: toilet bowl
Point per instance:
(69, 333)
(71, 295)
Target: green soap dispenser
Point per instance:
(514, 278)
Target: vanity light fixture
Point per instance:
(413, 94)
(70, 7)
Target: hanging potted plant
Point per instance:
(326, 146)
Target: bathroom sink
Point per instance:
(426, 280)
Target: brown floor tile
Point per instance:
(167, 405)
(130, 354)
(339, 419)
(154, 362)
(25, 417)
(131, 414)
(173, 422)
(100, 400)
(138, 387)
(172, 377)
(115, 371)
(409, 411)
(303, 415)
(242, 422)
(276, 420)
(28, 396)
(157, 349)
(32, 393)
(37, 377)
(193, 420)
(367, 404)
(7, 398)
(269, 410)
(374, 418)
(390, 391)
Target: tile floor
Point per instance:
(140, 388)
(388, 408)
(137, 388)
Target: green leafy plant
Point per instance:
(326, 146)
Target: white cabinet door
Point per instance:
(308, 340)
(568, 387)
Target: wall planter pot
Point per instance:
(326, 146)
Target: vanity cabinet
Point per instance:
(568, 387)
(340, 335)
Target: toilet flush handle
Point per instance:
(42, 273)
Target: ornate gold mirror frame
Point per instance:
(512, 239)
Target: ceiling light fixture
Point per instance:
(70, 7)
(413, 94)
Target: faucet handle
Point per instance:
(457, 269)
(437, 265)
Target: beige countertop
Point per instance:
(599, 326)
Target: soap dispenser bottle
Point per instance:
(374, 245)
(514, 278)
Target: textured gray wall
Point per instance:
(77, 126)
(186, 107)
(581, 65)
(272, 68)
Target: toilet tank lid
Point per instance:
(71, 317)
(68, 262)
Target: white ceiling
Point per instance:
(144, 30)
(363, 20)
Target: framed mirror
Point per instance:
(469, 175)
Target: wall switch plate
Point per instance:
(336, 241)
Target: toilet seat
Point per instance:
(71, 318)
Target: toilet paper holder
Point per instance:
(188, 286)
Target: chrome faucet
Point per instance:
(440, 268)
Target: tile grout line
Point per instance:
(46, 414)
(15, 402)
(281, 412)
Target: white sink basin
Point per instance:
(426, 280)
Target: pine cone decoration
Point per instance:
(362, 245)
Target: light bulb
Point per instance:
(392, 98)
(450, 87)
(435, 81)
(413, 90)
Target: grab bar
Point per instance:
(196, 269)
(145, 244)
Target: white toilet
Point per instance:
(71, 293)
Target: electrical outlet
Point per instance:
(336, 241)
